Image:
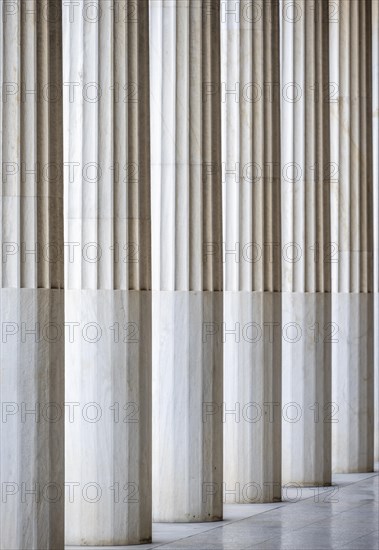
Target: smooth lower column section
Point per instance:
(187, 407)
(32, 429)
(252, 397)
(308, 412)
(352, 231)
(108, 428)
(376, 377)
(353, 389)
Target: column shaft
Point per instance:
(31, 294)
(352, 230)
(252, 234)
(375, 110)
(187, 274)
(306, 173)
(108, 303)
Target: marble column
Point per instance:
(187, 269)
(108, 297)
(306, 275)
(352, 231)
(252, 250)
(31, 294)
(375, 110)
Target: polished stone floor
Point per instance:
(345, 516)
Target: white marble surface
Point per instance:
(31, 277)
(375, 110)
(108, 273)
(251, 251)
(252, 397)
(108, 435)
(376, 377)
(306, 279)
(307, 383)
(352, 231)
(353, 383)
(32, 427)
(187, 406)
(186, 252)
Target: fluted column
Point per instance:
(187, 273)
(306, 169)
(31, 295)
(252, 251)
(107, 209)
(375, 110)
(352, 231)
